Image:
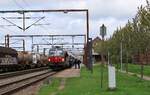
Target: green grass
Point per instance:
(48, 88)
(89, 84)
(137, 69)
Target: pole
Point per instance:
(87, 36)
(32, 44)
(108, 58)
(7, 40)
(24, 27)
(121, 56)
(72, 42)
(102, 33)
(142, 68)
(37, 48)
(52, 42)
(23, 45)
(87, 19)
(127, 62)
(102, 64)
(44, 51)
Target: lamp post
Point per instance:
(102, 33)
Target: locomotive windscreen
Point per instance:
(56, 52)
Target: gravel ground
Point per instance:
(16, 78)
(68, 73)
(33, 90)
(30, 90)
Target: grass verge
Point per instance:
(136, 68)
(46, 89)
(89, 84)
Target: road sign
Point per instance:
(103, 30)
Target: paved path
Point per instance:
(68, 73)
(138, 75)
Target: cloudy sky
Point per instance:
(113, 13)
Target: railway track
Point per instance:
(7, 88)
(17, 73)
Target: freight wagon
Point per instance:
(12, 60)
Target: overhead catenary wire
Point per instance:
(17, 4)
(28, 6)
(20, 6)
(3, 26)
(26, 3)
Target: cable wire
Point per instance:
(17, 4)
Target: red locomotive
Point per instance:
(60, 59)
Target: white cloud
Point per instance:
(113, 13)
(113, 8)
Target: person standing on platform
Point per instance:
(75, 63)
(78, 63)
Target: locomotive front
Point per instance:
(57, 58)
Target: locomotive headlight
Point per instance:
(62, 59)
(49, 59)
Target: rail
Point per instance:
(17, 73)
(14, 86)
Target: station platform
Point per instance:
(68, 73)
